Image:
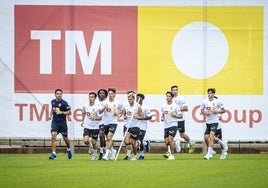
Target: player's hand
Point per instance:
(214, 111)
(58, 112)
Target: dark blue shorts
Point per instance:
(60, 128)
(181, 126)
(108, 128)
(94, 133)
(211, 127)
(171, 131)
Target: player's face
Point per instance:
(168, 97)
(58, 95)
(130, 100)
(210, 95)
(111, 95)
(102, 95)
(174, 90)
(91, 98)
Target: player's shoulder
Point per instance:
(86, 104)
(64, 102)
(144, 106)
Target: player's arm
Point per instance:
(204, 112)
(221, 111)
(177, 114)
(69, 112)
(147, 117)
(50, 114)
(83, 119)
(184, 108)
(101, 110)
(140, 115)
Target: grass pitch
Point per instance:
(188, 170)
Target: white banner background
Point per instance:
(15, 108)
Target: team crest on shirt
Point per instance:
(129, 113)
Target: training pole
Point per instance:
(135, 109)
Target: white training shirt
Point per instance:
(130, 112)
(100, 105)
(166, 110)
(147, 113)
(91, 111)
(180, 101)
(208, 105)
(108, 115)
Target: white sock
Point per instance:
(128, 153)
(141, 153)
(210, 150)
(221, 143)
(168, 149)
(94, 152)
(108, 151)
(101, 150)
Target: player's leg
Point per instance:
(94, 135)
(53, 145)
(127, 142)
(181, 129)
(102, 141)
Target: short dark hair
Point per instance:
(170, 93)
(58, 90)
(112, 89)
(141, 96)
(131, 93)
(93, 93)
(175, 86)
(212, 90)
(105, 91)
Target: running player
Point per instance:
(144, 122)
(180, 101)
(60, 108)
(110, 110)
(90, 122)
(170, 115)
(102, 95)
(133, 113)
(218, 139)
(211, 108)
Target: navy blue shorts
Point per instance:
(94, 133)
(108, 128)
(62, 128)
(171, 131)
(181, 126)
(211, 127)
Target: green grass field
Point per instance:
(188, 170)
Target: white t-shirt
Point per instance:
(91, 111)
(130, 112)
(167, 110)
(147, 113)
(208, 105)
(100, 105)
(108, 115)
(180, 101)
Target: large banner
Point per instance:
(82, 46)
